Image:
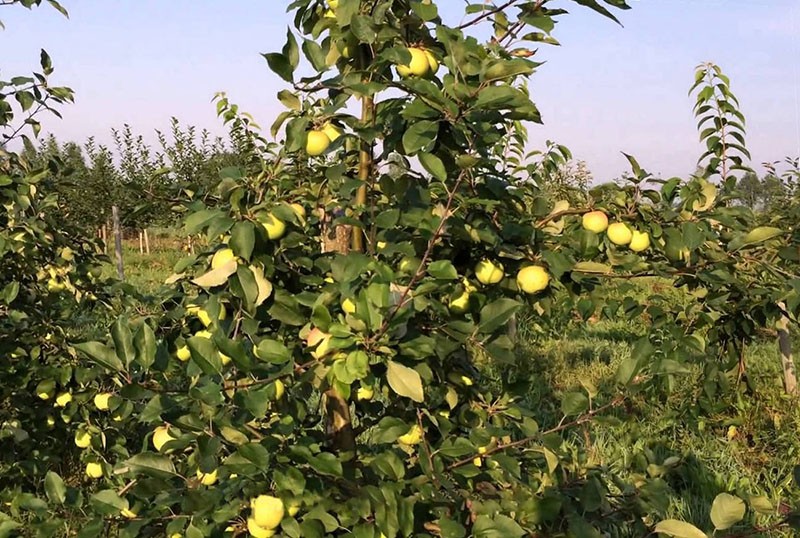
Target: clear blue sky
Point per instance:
(606, 89)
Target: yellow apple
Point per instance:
(299, 210)
(365, 393)
(412, 437)
(127, 513)
(280, 389)
(467, 381)
(274, 226)
(267, 511)
(488, 273)
(161, 436)
(349, 306)
(317, 143)
(101, 401)
(595, 221)
(207, 479)
(331, 131)
(477, 462)
(333, 4)
(83, 439)
(433, 63)
(46, 389)
(460, 304)
(51, 422)
(63, 399)
(257, 531)
(409, 265)
(639, 241)
(293, 508)
(619, 233)
(533, 279)
(183, 353)
(205, 318)
(222, 257)
(329, 14)
(419, 65)
(94, 470)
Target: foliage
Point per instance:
(327, 349)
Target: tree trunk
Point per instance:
(146, 242)
(785, 349)
(141, 242)
(118, 242)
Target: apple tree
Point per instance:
(319, 370)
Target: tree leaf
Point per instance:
(679, 529)
(150, 464)
(726, 511)
(107, 502)
(145, 344)
(264, 285)
(101, 354)
(123, 340)
(216, 277)
(433, 165)
(205, 354)
(405, 381)
(54, 488)
(496, 314)
(592, 268)
(420, 135)
(761, 234)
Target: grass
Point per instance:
(757, 459)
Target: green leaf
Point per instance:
(205, 354)
(101, 354)
(592, 268)
(107, 502)
(145, 344)
(433, 165)
(243, 239)
(498, 527)
(123, 341)
(443, 270)
(405, 381)
(496, 314)
(420, 135)
(761, 234)
(150, 464)
(280, 65)
(679, 529)
(218, 276)
(574, 403)
(726, 511)
(54, 488)
(273, 351)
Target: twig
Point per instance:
(562, 426)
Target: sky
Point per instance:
(606, 89)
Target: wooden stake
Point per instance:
(118, 242)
